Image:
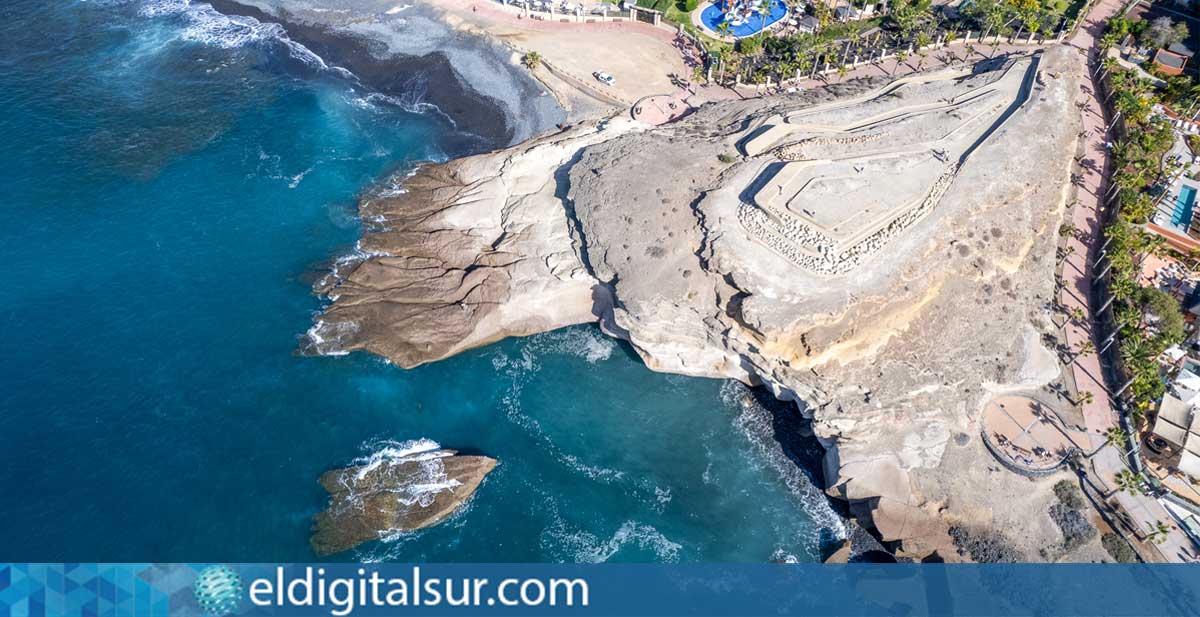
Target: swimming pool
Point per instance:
(746, 18)
(1184, 203)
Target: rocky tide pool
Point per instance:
(175, 180)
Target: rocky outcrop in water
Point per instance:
(390, 495)
(892, 349)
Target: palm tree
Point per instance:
(922, 41)
(1065, 253)
(1115, 436)
(842, 71)
(1130, 482)
(1159, 532)
(1085, 349)
(532, 60)
(901, 58)
(1137, 350)
(803, 64)
(996, 19)
(1108, 41)
(759, 78)
(1029, 19)
(1108, 65)
(950, 37)
(1123, 287)
(1086, 398)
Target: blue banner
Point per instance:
(606, 589)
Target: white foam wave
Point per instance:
(376, 101)
(430, 474)
(593, 472)
(587, 343)
(392, 186)
(203, 24)
(782, 556)
(296, 179)
(755, 423)
(341, 267)
(585, 547)
(391, 452)
(325, 338)
(158, 8)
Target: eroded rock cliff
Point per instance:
(880, 253)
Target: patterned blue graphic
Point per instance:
(218, 590)
(97, 590)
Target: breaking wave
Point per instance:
(585, 547)
(755, 422)
(420, 491)
(585, 343)
(430, 472)
(391, 452)
(201, 23)
(413, 100)
(326, 338)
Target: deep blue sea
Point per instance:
(171, 183)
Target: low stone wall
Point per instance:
(782, 232)
(1020, 468)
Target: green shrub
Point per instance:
(984, 546)
(1069, 494)
(1075, 528)
(750, 46)
(691, 5)
(725, 158)
(1118, 548)
(1165, 311)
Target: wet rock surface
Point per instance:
(382, 497)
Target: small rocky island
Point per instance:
(389, 494)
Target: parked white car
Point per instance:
(604, 78)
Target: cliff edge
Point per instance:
(880, 252)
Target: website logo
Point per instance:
(218, 590)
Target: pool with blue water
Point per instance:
(745, 17)
(1185, 202)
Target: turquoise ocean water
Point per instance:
(172, 182)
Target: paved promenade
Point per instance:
(1099, 414)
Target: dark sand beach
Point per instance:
(468, 79)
